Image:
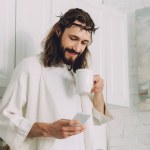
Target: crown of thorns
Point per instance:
(69, 22)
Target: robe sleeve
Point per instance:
(14, 127)
(98, 117)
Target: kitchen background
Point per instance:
(120, 51)
(130, 129)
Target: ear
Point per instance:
(58, 32)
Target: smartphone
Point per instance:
(82, 117)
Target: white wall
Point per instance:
(7, 41)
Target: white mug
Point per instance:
(84, 81)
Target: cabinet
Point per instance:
(7, 42)
(115, 46)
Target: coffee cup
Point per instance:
(84, 81)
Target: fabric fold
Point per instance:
(88, 133)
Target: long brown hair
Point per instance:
(51, 44)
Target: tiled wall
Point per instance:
(143, 44)
(130, 128)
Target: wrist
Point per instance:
(98, 94)
(39, 130)
(98, 102)
(43, 129)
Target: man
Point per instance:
(37, 109)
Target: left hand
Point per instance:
(98, 84)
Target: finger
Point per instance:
(98, 90)
(67, 122)
(96, 77)
(74, 122)
(73, 132)
(68, 134)
(64, 122)
(98, 82)
(77, 130)
(74, 128)
(99, 85)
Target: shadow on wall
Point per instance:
(20, 45)
(25, 45)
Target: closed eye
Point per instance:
(85, 43)
(73, 38)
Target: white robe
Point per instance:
(39, 94)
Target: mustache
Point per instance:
(72, 51)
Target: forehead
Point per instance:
(77, 31)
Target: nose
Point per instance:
(77, 47)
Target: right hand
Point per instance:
(64, 128)
(60, 129)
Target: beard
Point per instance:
(68, 61)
